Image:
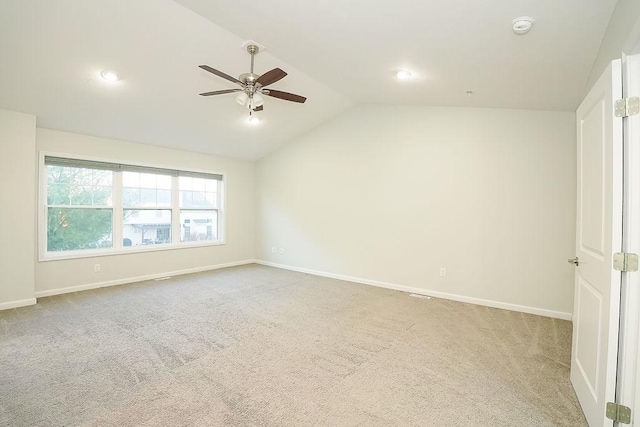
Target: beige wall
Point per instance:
(51, 275)
(394, 193)
(382, 193)
(17, 216)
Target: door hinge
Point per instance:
(626, 107)
(618, 413)
(625, 261)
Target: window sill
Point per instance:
(95, 253)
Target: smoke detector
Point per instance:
(523, 24)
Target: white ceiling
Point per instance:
(455, 45)
(53, 51)
(337, 54)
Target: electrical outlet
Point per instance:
(281, 251)
(273, 249)
(96, 268)
(443, 271)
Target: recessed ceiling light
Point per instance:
(523, 24)
(110, 76)
(404, 74)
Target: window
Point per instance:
(99, 208)
(143, 197)
(198, 209)
(79, 208)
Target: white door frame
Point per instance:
(628, 376)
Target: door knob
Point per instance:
(574, 261)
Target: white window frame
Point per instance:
(117, 208)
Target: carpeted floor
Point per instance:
(259, 346)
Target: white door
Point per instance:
(598, 236)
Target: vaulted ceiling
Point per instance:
(337, 54)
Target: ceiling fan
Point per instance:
(253, 86)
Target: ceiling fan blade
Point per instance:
(221, 74)
(271, 77)
(285, 95)
(220, 92)
(260, 108)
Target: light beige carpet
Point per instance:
(258, 346)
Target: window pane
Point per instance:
(76, 229)
(211, 185)
(131, 196)
(147, 197)
(71, 186)
(186, 199)
(198, 184)
(198, 193)
(131, 179)
(198, 199)
(146, 190)
(164, 182)
(101, 196)
(198, 226)
(58, 193)
(146, 227)
(211, 200)
(186, 183)
(164, 197)
(147, 180)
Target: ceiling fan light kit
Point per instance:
(257, 99)
(253, 86)
(242, 98)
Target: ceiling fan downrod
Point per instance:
(253, 50)
(250, 78)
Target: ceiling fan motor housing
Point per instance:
(249, 78)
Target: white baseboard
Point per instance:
(444, 295)
(96, 285)
(419, 291)
(16, 304)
